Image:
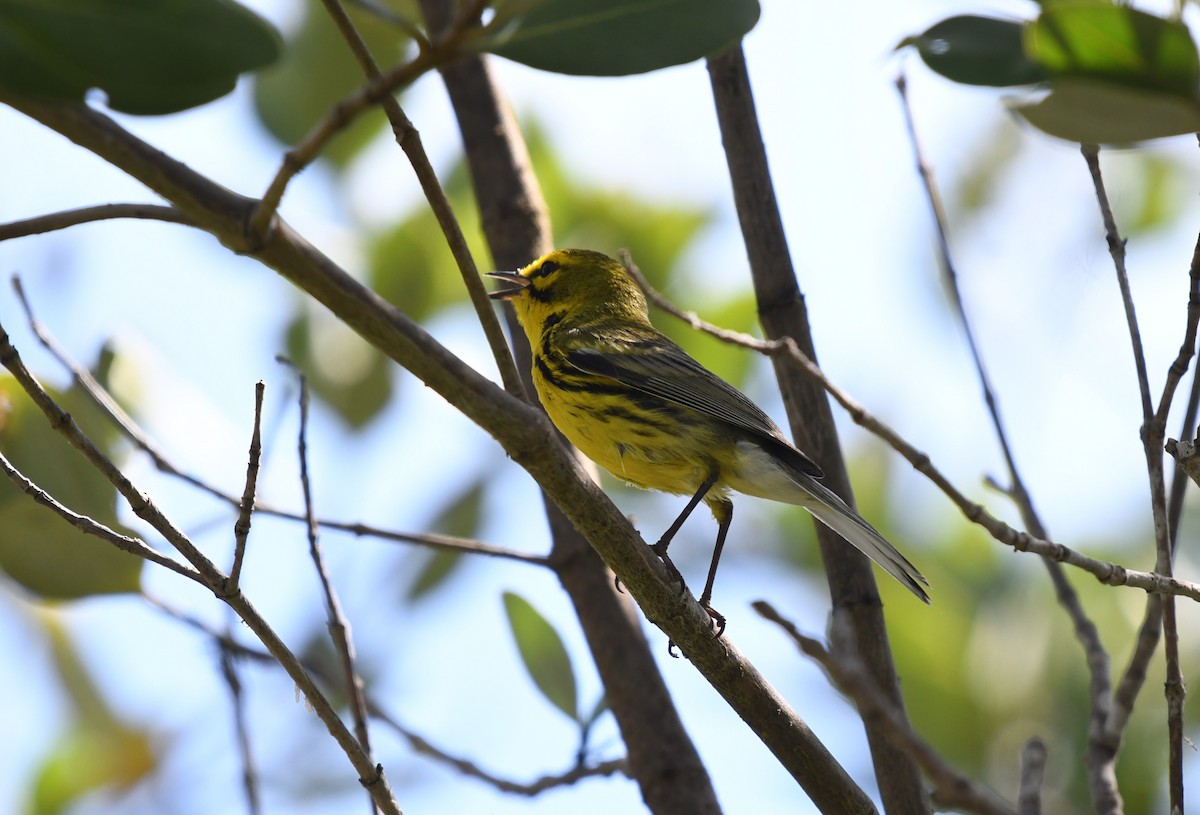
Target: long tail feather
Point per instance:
(832, 511)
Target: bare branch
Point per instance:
(1098, 762)
(241, 527)
(1109, 573)
(339, 626)
(1033, 773)
(102, 212)
(371, 775)
(419, 743)
(952, 790)
(142, 440)
(1153, 434)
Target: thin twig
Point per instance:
(88, 526)
(418, 742)
(142, 440)
(1110, 574)
(410, 142)
(1033, 773)
(371, 775)
(952, 790)
(242, 731)
(102, 212)
(339, 626)
(1098, 762)
(340, 116)
(241, 527)
(1153, 436)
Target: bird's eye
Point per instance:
(547, 267)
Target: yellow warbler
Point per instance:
(635, 403)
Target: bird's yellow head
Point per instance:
(575, 285)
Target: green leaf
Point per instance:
(318, 70)
(1115, 43)
(98, 751)
(438, 566)
(617, 37)
(148, 56)
(347, 374)
(38, 549)
(978, 50)
(543, 653)
(1097, 112)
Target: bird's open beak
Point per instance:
(518, 285)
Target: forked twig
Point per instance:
(1101, 779)
(339, 625)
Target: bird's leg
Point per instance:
(660, 548)
(722, 510)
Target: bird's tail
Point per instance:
(832, 511)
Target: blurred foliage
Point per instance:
(459, 517)
(154, 56)
(317, 71)
(97, 749)
(38, 549)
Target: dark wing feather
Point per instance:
(667, 372)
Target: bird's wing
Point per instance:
(660, 368)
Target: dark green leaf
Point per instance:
(978, 50)
(617, 37)
(317, 70)
(543, 653)
(1117, 44)
(148, 56)
(1097, 112)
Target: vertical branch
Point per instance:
(662, 758)
(782, 313)
(241, 528)
(339, 626)
(1100, 756)
(1153, 436)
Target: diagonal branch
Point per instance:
(523, 432)
(370, 775)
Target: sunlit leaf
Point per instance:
(618, 37)
(543, 653)
(148, 56)
(97, 751)
(1116, 43)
